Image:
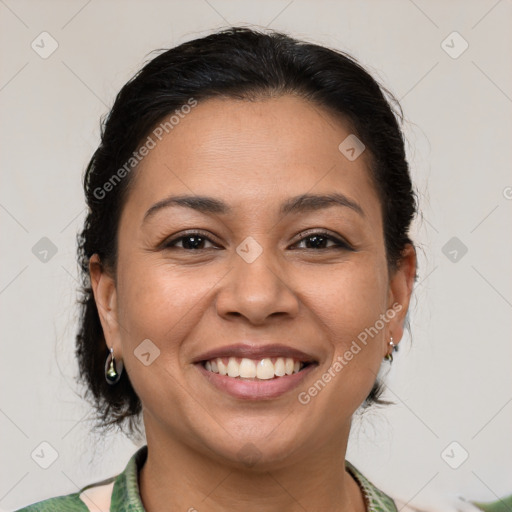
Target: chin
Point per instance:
(255, 452)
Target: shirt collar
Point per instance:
(376, 500)
(126, 493)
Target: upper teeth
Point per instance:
(249, 368)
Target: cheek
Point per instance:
(352, 311)
(167, 304)
(162, 304)
(158, 301)
(353, 296)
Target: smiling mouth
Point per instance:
(255, 369)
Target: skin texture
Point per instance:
(253, 155)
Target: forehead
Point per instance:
(252, 155)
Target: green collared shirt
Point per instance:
(120, 493)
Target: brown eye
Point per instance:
(319, 240)
(191, 241)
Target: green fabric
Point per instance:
(502, 505)
(69, 503)
(126, 496)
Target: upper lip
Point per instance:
(255, 352)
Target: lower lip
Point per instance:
(255, 389)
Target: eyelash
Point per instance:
(339, 243)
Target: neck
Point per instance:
(177, 477)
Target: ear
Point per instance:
(400, 290)
(105, 296)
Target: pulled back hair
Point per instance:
(237, 63)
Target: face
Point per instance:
(253, 274)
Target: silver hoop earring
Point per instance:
(113, 374)
(389, 356)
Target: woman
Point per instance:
(247, 270)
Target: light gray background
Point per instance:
(452, 383)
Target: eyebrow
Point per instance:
(299, 204)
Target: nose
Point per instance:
(256, 291)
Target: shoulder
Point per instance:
(94, 497)
(69, 502)
(445, 504)
(121, 491)
(378, 501)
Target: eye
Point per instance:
(191, 241)
(318, 240)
